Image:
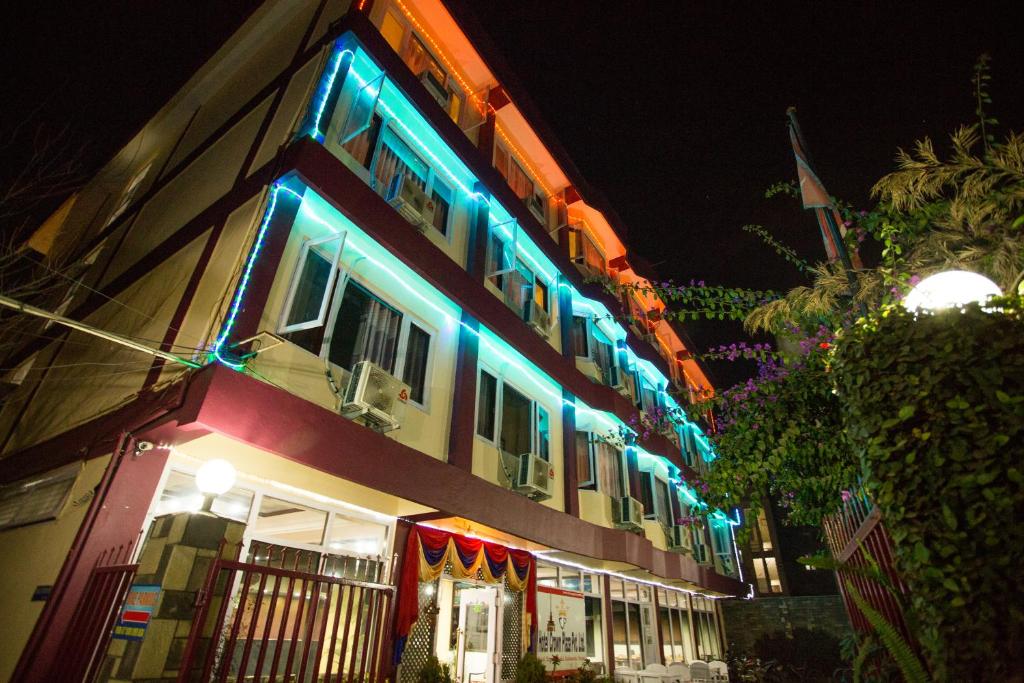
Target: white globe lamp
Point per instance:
(949, 289)
(214, 478)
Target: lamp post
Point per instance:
(214, 478)
(949, 289)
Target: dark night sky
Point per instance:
(677, 117)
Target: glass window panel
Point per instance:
(609, 469)
(360, 115)
(667, 636)
(631, 592)
(773, 575)
(591, 584)
(620, 634)
(486, 405)
(547, 575)
(283, 522)
(366, 329)
(442, 197)
(594, 629)
(635, 636)
(615, 586)
(417, 351)
(180, 494)
(311, 288)
(543, 434)
(584, 466)
(580, 339)
(763, 531)
(357, 537)
(516, 421)
(570, 579)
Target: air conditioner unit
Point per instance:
(539, 319)
(536, 206)
(628, 513)
(410, 201)
(533, 477)
(374, 395)
(436, 89)
(679, 537)
(613, 378)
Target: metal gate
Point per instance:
(260, 623)
(85, 641)
(857, 537)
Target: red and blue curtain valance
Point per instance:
(428, 550)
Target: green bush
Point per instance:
(934, 408)
(434, 671)
(531, 670)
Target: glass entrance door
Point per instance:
(477, 641)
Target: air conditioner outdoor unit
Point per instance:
(539, 319)
(613, 378)
(628, 513)
(535, 205)
(533, 477)
(376, 396)
(679, 537)
(436, 90)
(410, 201)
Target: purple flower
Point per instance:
(846, 496)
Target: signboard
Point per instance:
(562, 628)
(136, 612)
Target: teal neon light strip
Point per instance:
(243, 284)
(327, 86)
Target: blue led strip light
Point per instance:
(326, 87)
(236, 305)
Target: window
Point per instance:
(584, 252)
(604, 356)
(655, 495)
(766, 571)
(519, 181)
(441, 195)
(599, 465)
(364, 327)
(580, 336)
(631, 625)
(486, 405)
(36, 499)
(518, 283)
(433, 76)
(523, 425)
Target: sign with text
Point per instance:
(562, 632)
(135, 615)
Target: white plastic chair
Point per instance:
(700, 672)
(654, 673)
(719, 671)
(678, 673)
(627, 675)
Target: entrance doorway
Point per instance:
(468, 629)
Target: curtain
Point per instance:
(416, 352)
(377, 339)
(609, 469)
(428, 550)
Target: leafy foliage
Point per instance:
(433, 671)
(910, 666)
(531, 670)
(934, 408)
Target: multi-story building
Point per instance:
(349, 259)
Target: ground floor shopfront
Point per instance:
(307, 561)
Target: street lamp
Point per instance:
(214, 478)
(952, 288)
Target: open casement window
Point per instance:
(605, 357)
(394, 157)
(310, 293)
(599, 465)
(360, 115)
(36, 499)
(510, 419)
(584, 252)
(656, 497)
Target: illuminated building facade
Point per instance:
(379, 285)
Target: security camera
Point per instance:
(144, 446)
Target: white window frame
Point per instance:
(499, 400)
(307, 245)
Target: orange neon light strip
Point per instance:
(483, 108)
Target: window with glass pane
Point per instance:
(414, 372)
(311, 288)
(356, 537)
(360, 115)
(397, 158)
(181, 494)
(362, 146)
(620, 634)
(593, 628)
(667, 635)
(540, 294)
(584, 461)
(580, 338)
(519, 181)
(604, 356)
(516, 421)
(366, 329)
(497, 261)
(636, 657)
(543, 444)
(547, 575)
(609, 469)
(570, 579)
(486, 405)
(442, 198)
(501, 161)
(285, 522)
(662, 501)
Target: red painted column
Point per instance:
(114, 520)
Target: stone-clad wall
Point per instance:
(747, 620)
(176, 556)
